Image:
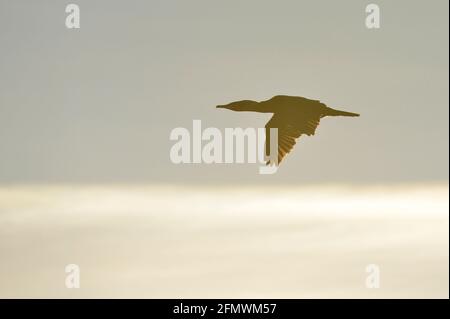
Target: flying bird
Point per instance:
(292, 116)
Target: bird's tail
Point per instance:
(333, 112)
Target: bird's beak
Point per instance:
(220, 106)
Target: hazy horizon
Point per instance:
(228, 242)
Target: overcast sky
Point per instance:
(97, 104)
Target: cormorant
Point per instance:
(292, 116)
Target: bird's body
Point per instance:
(293, 116)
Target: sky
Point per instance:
(86, 176)
(97, 104)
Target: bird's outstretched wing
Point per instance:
(288, 131)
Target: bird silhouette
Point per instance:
(292, 116)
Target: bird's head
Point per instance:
(240, 106)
